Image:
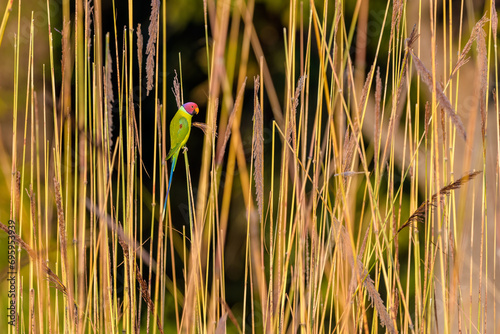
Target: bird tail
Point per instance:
(174, 161)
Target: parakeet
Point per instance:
(180, 128)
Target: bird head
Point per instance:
(191, 108)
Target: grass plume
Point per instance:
(441, 97)
(258, 148)
(421, 213)
(151, 45)
(227, 132)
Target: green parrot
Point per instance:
(180, 128)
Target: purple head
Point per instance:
(191, 108)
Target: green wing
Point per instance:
(180, 128)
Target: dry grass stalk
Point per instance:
(338, 15)
(476, 31)
(214, 120)
(401, 84)
(427, 117)
(177, 90)
(51, 277)
(378, 98)
(494, 94)
(88, 23)
(349, 146)
(440, 96)
(397, 11)
(412, 38)
(404, 68)
(494, 19)
(483, 70)
(18, 192)
(31, 196)
(65, 43)
(399, 6)
(32, 310)
(117, 229)
(61, 220)
(258, 148)
(65, 100)
(353, 285)
(420, 214)
(348, 152)
(203, 127)
(140, 45)
(364, 276)
(151, 46)
(64, 249)
(292, 126)
(142, 283)
(397, 101)
(443, 123)
(364, 92)
(227, 133)
(108, 91)
(159, 106)
(375, 299)
(20, 242)
(133, 123)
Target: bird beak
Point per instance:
(196, 111)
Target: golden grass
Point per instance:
(302, 228)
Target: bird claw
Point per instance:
(184, 149)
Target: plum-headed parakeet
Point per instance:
(180, 128)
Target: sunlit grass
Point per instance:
(369, 189)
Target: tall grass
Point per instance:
(364, 203)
